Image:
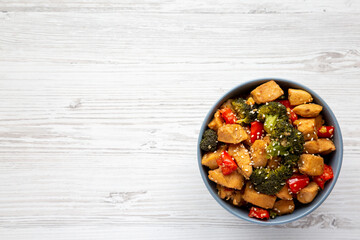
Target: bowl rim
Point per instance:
(338, 162)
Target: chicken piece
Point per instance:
(308, 193)
(242, 158)
(311, 165)
(283, 207)
(231, 133)
(258, 199)
(308, 110)
(298, 96)
(230, 194)
(209, 159)
(318, 122)
(258, 153)
(322, 146)
(216, 122)
(307, 126)
(224, 193)
(233, 180)
(237, 198)
(284, 193)
(274, 162)
(267, 92)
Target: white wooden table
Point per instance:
(102, 102)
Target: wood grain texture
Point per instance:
(101, 104)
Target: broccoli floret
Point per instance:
(281, 129)
(209, 141)
(291, 160)
(270, 113)
(273, 214)
(276, 149)
(285, 140)
(297, 142)
(243, 111)
(269, 181)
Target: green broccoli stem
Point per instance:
(269, 123)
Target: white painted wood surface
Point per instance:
(102, 102)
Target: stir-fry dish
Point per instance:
(265, 151)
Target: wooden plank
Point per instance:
(184, 6)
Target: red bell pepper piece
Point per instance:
(228, 115)
(297, 182)
(256, 131)
(293, 116)
(286, 103)
(327, 175)
(326, 132)
(226, 163)
(259, 213)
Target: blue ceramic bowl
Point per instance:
(334, 159)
